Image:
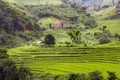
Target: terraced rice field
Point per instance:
(62, 60)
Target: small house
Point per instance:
(59, 25)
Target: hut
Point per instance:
(59, 25)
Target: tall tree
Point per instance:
(75, 36)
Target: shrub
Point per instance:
(49, 40)
(8, 41)
(24, 74)
(108, 33)
(99, 35)
(117, 37)
(104, 40)
(75, 36)
(72, 76)
(3, 53)
(9, 71)
(95, 75)
(112, 76)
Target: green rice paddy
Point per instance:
(63, 60)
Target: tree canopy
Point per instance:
(75, 36)
(50, 40)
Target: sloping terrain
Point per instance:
(35, 2)
(71, 14)
(86, 3)
(105, 13)
(15, 24)
(93, 4)
(108, 13)
(63, 60)
(99, 48)
(112, 26)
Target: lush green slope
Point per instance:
(34, 2)
(72, 14)
(16, 20)
(112, 25)
(62, 60)
(105, 13)
(111, 12)
(15, 26)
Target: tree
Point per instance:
(104, 40)
(9, 71)
(72, 76)
(50, 40)
(3, 53)
(75, 36)
(112, 76)
(103, 28)
(95, 75)
(117, 37)
(24, 74)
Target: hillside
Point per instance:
(109, 13)
(89, 4)
(79, 2)
(15, 24)
(112, 26)
(60, 39)
(35, 2)
(92, 5)
(71, 14)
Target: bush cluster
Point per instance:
(96, 75)
(9, 71)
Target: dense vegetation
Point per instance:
(9, 71)
(63, 53)
(96, 75)
(72, 14)
(117, 11)
(15, 20)
(35, 2)
(15, 23)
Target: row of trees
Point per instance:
(75, 36)
(104, 36)
(96, 75)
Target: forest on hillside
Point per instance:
(14, 26)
